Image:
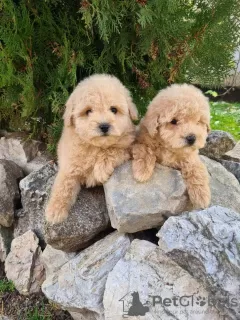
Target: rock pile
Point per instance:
(98, 273)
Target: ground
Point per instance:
(34, 307)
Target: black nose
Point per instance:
(191, 139)
(104, 127)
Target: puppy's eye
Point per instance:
(174, 121)
(114, 110)
(88, 111)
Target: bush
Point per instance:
(47, 46)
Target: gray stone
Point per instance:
(87, 218)
(17, 148)
(232, 166)
(147, 275)
(23, 264)
(10, 174)
(79, 284)
(53, 259)
(35, 189)
(217, 144)
(234, 154)
(225, 188)
(134, 206)
(6, 236)
(207, 244)
(37, 163)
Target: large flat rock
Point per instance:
(135, 206)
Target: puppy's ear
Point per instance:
(132, 109)
(151, 122)
(68, 114)
(208, 128)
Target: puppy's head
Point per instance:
(100, 110)
(179, 118)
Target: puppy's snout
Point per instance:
(191, 139)
(104, 127)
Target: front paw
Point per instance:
(54, 214)
(200, 197)
(141, 172)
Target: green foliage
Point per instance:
(38, 314)
(47, 46)
(6, 286)
(226, 116)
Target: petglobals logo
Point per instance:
(133, 306)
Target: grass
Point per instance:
(226, 116)
(6, 286)
(38, 314)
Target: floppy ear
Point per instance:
(151, 122)
(68, 114)
(208, 128)
(132, 109)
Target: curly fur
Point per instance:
(86, 155)
(176, 113)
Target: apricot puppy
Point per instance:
(175, 127)
(96, 138)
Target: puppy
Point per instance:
(175, 127)
(96, 138)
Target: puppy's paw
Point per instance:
(141, 172)
(200, 197)
(55, 215)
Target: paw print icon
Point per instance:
(201, 301)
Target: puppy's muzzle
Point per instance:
(104, 127)
(191, 139)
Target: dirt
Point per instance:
(34, 307)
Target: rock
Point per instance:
(88, 217)
(6, 236)
(217, 144)
(234, 154)
(79, 285)
(23, 265)
(146, 282)
(232, 166)
(19, 149)
(134, 206)
(53, 259)
(10, 174)
(35, 189)
(37, 163)
(225, 188)
(206, 243)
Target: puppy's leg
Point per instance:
(108, 161)
(143, 162)
(196, 177)
(64, 193)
